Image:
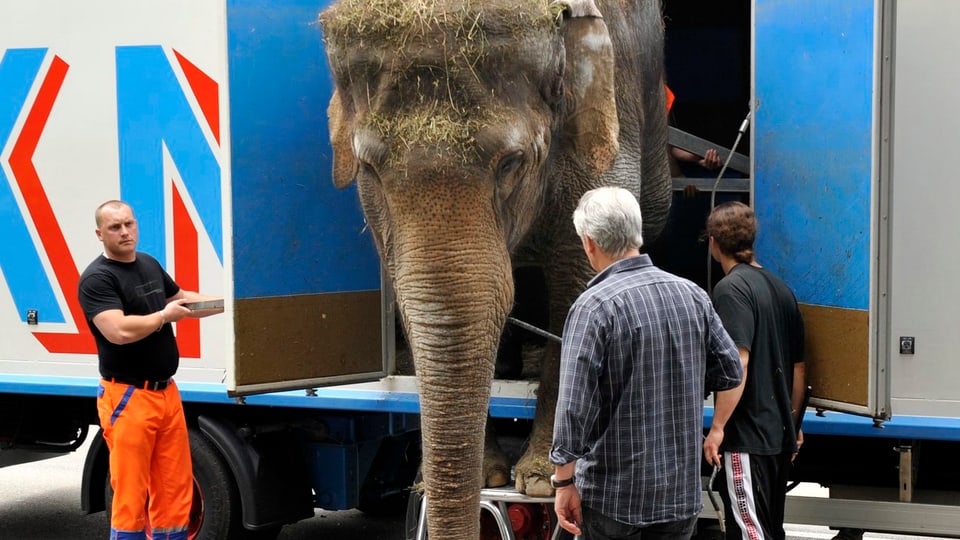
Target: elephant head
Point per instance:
(451, 117)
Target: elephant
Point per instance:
(471, 129)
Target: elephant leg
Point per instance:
(509, 356)
(533, 470)
(564, 281)
(530, 306)
(496, 465)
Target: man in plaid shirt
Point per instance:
(641, 349)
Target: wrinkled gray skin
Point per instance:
(562, 108)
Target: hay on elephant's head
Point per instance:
(436, 123)
(398, 23)
(458, 34)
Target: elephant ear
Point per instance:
(345, 163)
(589, 125)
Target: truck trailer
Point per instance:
(198, 113)
(851, 119)
(209, 118)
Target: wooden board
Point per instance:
(307, 336)
(838, 352)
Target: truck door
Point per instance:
(209, 117)
(922, 337)
(815, 189)
(307, 307)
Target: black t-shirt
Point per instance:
(760, 313)
(141, 287)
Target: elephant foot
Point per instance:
(534, 469)
(578, 8)
(496, 466)
(533, 474)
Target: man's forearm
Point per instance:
(799, 389)
(562, 472)
(725, 403)
(121, 329)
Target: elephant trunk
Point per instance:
(454, 296)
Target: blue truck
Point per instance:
(209, 117)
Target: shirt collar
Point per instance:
(623, 265)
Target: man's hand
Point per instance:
(711, 446)
(567, 506)
(711, 160)
(175, 310)
(799, 444)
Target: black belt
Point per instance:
(143, 383)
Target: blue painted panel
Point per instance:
(328, 398)
(848, 425)
(333, 398)
(153, 113)
(294, 233)
(813, 124)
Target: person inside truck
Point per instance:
(754, 424)
(640, 348)
(710, 160)
(130, 302)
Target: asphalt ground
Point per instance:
(41, 501)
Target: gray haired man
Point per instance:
(641, 348)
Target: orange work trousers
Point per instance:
(146, 433)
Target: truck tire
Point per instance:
(220, 514)
(216, 512)
(414, 502)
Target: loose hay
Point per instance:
(460, 31)
(396, 23)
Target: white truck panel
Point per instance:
(925, 197)
(76, 163)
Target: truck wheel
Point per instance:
(220, 515)
(216, 512)
(214, 491)
(413, 510)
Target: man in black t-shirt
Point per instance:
(129, 302)
(753, 424)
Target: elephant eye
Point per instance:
(367, 170)
(509, 164)
(556, 92)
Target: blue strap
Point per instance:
(121, 405)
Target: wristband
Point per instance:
(556, 483)
(163, 321)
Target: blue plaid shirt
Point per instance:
(641, 349)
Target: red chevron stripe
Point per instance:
(206, 90)
(44, 219)
(186, 266)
